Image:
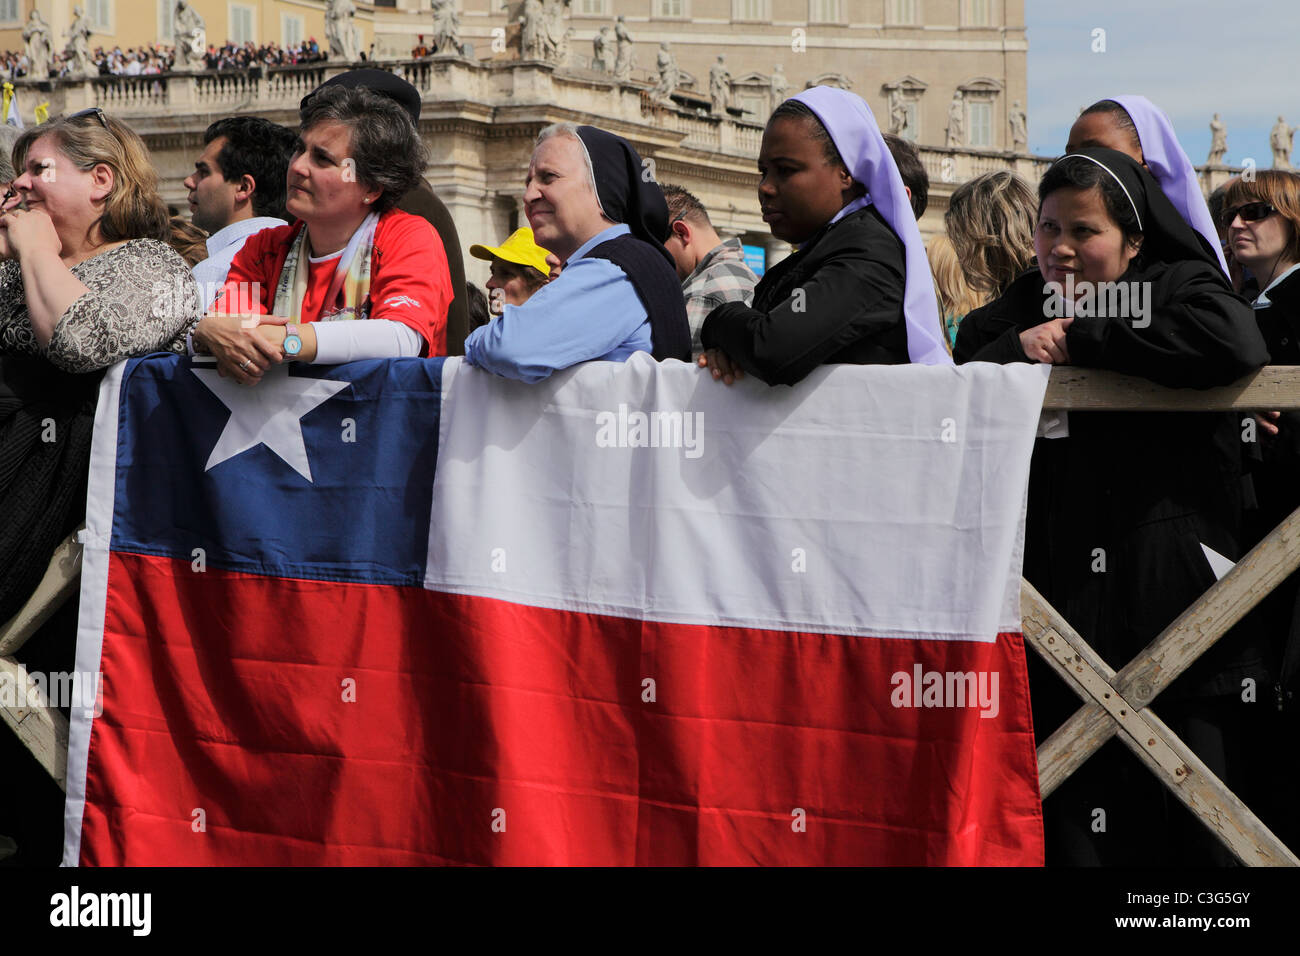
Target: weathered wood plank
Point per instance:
(1142, 732)
(42, 729)
(1223, 604)
(1274, 387)
(1213, 803)
(59, 583)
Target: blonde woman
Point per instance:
(991, 221)
(84, 236)
(956, 298)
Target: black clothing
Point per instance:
(422, 201)
(625, 192)
(1116, 518)
(1147, 489)
(837, 300)
(1275, 473)
(1279, 323)
(380, 81)
(659, 290)
(1117, 515)
(46, 419)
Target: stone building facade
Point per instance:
(487, 94)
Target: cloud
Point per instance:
(1192, 60)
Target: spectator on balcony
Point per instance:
(588, 202)
(237, 189)
(1135, 126)
(1122, 507)
(711, 271)
(858, 288)
(351, 255)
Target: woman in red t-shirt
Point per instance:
(350, 255)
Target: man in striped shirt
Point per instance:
(712, 271)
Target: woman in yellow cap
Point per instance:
(519, 268)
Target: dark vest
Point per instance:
(659, 290)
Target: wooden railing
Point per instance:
(1115, 703)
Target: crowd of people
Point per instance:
(160, 58)
(334, 221)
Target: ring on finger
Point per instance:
(243, 366)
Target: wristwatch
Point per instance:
(292, 343)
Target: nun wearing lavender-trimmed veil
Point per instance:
(1130, 516)
(1137, 127)
(857, 290)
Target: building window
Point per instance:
(242, 20)
(100, 13)
(979, 13)
(903, 12)
(750, 10)
(593, 8)
(981, 124)
(913, 127)
(292, 30)
(670, 9)
(825, 11)
(8, 11)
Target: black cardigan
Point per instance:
(837, 300)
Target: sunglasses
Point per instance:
(1249, 212)
(94, 111)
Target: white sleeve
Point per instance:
(352, 341)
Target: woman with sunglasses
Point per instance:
(352, 254)
(1126, 509)
(1262, 220)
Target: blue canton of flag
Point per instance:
(304, 475)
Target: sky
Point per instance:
(1192, 58)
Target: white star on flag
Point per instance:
(268, 413)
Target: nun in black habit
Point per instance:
(1127, 510)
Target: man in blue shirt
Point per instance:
(618, 292)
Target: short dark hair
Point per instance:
(1215, 202)
(683, 205)
(795, 109)
(908, 160)
(1121, 117)
(1077, 172)
(258, 148)
(479, 313)
(385, 144)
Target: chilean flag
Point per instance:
(406, 612)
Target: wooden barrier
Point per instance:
(1115, 703)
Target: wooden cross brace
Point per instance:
(1119, 703)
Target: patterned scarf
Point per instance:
(349, 292)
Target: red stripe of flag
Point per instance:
(224, 693)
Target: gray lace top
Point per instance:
(142, 299)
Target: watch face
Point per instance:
(292, 344)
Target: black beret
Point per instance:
(378, 81)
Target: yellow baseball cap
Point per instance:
(519, 249)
